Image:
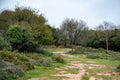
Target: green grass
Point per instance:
(41, 72)
(107, 62)
(85, 77)
(36, 72)
(45, 73)
(82, 58)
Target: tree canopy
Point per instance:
(26, 27)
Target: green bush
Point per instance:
(93, 55)
(43, 52)
(19, 38)
(8, 71)
(17, 58)
(118, 68)
(4, 44)
(77, 52)
(34, 56)
(29, 65)
(58, 58)
(98, 55)
(44, 62)
(115, 55)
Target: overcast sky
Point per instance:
(93, 12)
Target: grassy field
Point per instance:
(104, 69)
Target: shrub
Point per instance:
(115, 55)
(4, 44)
(34, 56)
(93, 55)
(44, 62)
(29, 65)
(118, 68)
(16, 58)
(58, 59)
(18, 37)
(10, 57)
(8, 71)
(77, 52)
(98, 55)
(44, 52)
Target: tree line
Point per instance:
(25, 30)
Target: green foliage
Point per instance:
(43, 52)
(21, 60)
(93, 56)
(94, 41)
(118, 68)
(85, 77)
(58, 58)
(6, 19)
(56, 35)
(43, 35)
(77, 52)
(97, 39)
(44, 62)
(9, 71)
(86, 50)
(32, 23)
(4, 44)
(34, 56)
(104, 55)
(97, 53)
(18, 37)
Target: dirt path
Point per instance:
(79, 68)
(71, 76)
(62, 53)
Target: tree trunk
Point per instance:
(72, 48)
(107, 41)
(107, 45)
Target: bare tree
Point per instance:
(106, 27)
(72, 31)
